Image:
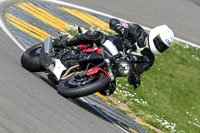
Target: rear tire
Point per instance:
(30, 59)
(98, 83)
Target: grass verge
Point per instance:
(169, 96)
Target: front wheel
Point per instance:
(76, 87)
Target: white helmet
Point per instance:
(160, 39)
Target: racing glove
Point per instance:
(123, 32)
(134, 80)
(118, 27)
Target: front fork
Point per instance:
(109, 70)
(99, 68)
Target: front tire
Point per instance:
(30, 59)
(67, 89)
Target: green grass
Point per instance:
(171, 88)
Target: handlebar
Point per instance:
(115, 57)
(126, 44)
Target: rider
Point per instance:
(147, 45)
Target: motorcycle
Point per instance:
(83, 69)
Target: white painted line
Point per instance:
(4, 27)
(110, 16)
(187, 42)
(105, 116)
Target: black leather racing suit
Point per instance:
(137, 37)
(133, 32)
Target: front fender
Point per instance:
(96, 70)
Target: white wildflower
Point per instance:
(129, 94)
(166, 124)
(186, 46)
(145, 103)
(138, 101)
(181, 131)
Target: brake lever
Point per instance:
(115, 57)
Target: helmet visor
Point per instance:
(159, 44)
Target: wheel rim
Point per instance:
(34, 52)
(78, 82)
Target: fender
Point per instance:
(96, 70)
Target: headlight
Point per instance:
(124, 68)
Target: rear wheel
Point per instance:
(30, 59)
(78, 87)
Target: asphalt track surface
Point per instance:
(28, 104)
(183, 16)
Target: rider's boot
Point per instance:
(109, 89)
(85, 38)
(65, 41)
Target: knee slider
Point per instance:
(96, 36)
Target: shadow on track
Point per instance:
(76, 101)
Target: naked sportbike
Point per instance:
(83, 69)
